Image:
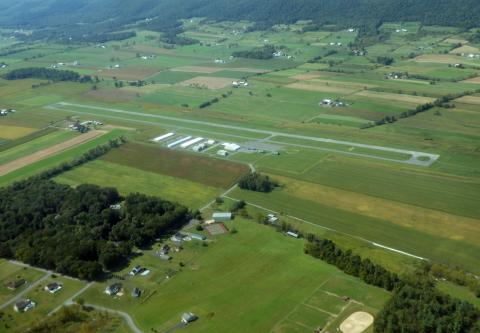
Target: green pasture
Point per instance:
(189, 166)
(262, 261)
(131, 180)
(360, 226)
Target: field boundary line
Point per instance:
(298, 305)
(321, 310)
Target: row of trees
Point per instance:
(47, 74)
(416, 306)
(257, 182)
(90, 155)
(350, 263)
(442, 102)
(262, 53)
(75, 231)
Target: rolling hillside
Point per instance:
(115, 13)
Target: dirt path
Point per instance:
(45, 153)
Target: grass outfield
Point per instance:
(35, 145)
(256, 278)
(130, 179)
(192, 167)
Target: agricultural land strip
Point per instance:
(42, 154)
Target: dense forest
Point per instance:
(40, 220)
(81, 17)
(416, 305)
(46, 74)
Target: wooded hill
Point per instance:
(110, 15)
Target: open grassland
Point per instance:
(450, 194)
(395, 97)
(14, 132)
(266, 293)
(130, 180)
(370, 229)
(192, 167)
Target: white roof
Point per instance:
(179, 141)
(231, 146)
(190, 142)
(163, 137)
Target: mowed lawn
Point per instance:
(45, 303)
(10, 272)
(256, 280)
(130, 180)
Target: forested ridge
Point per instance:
(75, 231)
(79, 17)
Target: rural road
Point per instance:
(125, 315)
(70, 299)
(413, 160)
(24, 292)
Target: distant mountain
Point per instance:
(115, 13)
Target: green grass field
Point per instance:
(250, 277)
(130, 180)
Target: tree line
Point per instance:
(263, 53)
(47, 74)
(416, 305)
(75, 231)
(442, 102)
(109, 15)
(88, 156)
